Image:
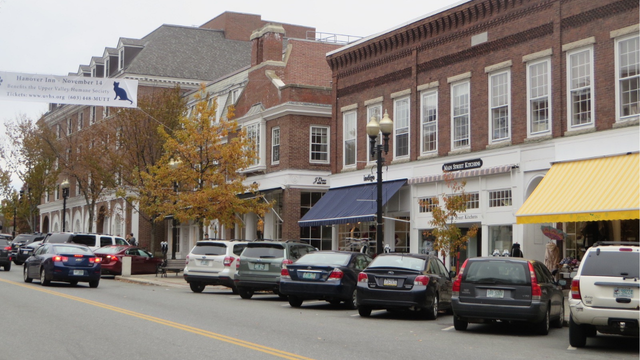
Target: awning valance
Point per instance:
(464, 174)
(606, 188)
(349, 204)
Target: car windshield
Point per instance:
(497, 272)
(398, 261)
(210, 249)
(71, 250)
(319, 258)
(614, 264)
(109, 250)
(264, 251)
(4, 242)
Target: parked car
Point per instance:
(63, 262)
(416, 282)
(323, 275)
(93, 241)
(260, 264)
(142, 261)
(605, 292)
(489, 289)
(213, 262)
(23, 253)
(22, 240)
(5, 254)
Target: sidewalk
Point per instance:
(151, 279)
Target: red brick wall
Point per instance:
(239, 26)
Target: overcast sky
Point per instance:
(55, 37)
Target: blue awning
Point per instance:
(349, 204)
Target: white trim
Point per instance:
(457, 78)
(349, 108)
(452, 120)
(398, 94)
(618, 101)
(431, 85)
(633, 29)
(490, 106)
(537, 55)
(328, 130)
(430, 92)
(273, 130)
(373, 101)
(395, 128)
(345, 138)
(591, 88)
(578, 44)
(498, 66)
(529, 64)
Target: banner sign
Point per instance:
(462, 165)
(75, 90)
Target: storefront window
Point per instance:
(426, 242)
(500, 240)
(402, 235)
(352, 237)
(318, 236)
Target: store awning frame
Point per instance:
(605, 188)
(349, 204)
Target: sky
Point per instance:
(55, 37)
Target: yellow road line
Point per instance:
(209, 334)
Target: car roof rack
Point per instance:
(615, 243)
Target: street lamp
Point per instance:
(385, 126)
(65, 194)
(173, 164)
(15, 214)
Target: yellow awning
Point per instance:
(605, 188)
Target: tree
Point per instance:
(200, 174)
(449, 239)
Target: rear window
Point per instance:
(61, 249)
(403, 262)
(316, 258)
(89, 240)
(613, 264)
(265, 251)
(497, 272)
(109, 250)
(58, 238)
(237, 248)
(210, 249)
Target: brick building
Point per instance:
(499, 91)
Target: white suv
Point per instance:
(213, 262)
(605, 292)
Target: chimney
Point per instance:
(266, 44)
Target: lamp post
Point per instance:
(65, 194)
(173, 164)
(15, 214)
(385, 126)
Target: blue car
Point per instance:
(63, 262)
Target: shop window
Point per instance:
(426, 242)
(500, 240)
(498, 198)
(473, 200)
(427, 204)
(318, 236)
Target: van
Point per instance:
(93, 241)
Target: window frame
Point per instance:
(492, 120)
(398, 130)
(618, 80)
(373, 110)
(275, 147)
(530, 99)
(311, 144)
(258, 144)
(455, 85)
(432, 123)
(346, 128)
(590, 87)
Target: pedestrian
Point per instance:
(132, 240)
(260, 229)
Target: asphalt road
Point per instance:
(123, 320)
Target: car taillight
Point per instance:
(228, 260)
(58, 258)
(575, 289)
(238, 264)
(336, 274)
(421, 280)
(536, 291)
(7, 247)
(95, 260)
(284, 273)
(458, 280)
(625, 249)
(362, 277)
(286, 262)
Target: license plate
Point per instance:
(495, 293)
(622, 292)
(261, 267)
(78, 272)
(204, 262)
(309, 275)
(25, 251)
(389, 282)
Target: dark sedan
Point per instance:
(492, 289)
(5, 254)
(323, 275)
(414, 282)
(24, 251)
(20, 241)
(63, 262)
(142, 262)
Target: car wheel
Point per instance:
(25, 275)
(94, 284)
(18, 262)
(73, 283)
(43, 278)
(352, 303)
(245, 293)
(234, 289)
(460, 324)
(7, 266)
(558, 323)
(431, 312)
(542, 327)
(196, 287)
(577, 334)
(295, 301)
(364, 311)
(282, 296)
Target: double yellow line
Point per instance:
(193, 330)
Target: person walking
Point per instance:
(132, 240)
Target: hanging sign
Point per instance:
(462, 165)
(74, 90)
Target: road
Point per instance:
(121, 320)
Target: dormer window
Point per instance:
(121, 59)
(106, 68)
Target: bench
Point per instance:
(175, 265)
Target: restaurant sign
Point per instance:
(462, 165)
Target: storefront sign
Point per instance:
(320, 181)
(462, 165)
(369, 177)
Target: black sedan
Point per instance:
(5, 254)
(20, 241)
(395, 281)
(323, 275)
(25, 251)
(63, 262)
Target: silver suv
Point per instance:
(213, 262)
(605, 292)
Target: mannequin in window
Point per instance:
(552, 256)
